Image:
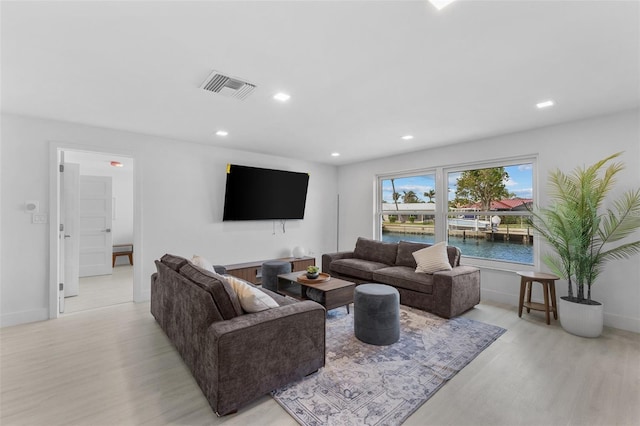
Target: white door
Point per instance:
(71, 206)
(95, 225)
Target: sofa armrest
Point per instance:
(157, 304)
(330, 257)
(253, 354)
(456, 291)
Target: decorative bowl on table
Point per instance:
(313, 272)
(322, 277)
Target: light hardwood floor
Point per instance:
(103, 290)
(114, 366)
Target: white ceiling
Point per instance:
(361, 74)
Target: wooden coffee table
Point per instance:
(334, 292)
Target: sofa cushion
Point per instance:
(208, 266)
(357, 268)
(251, 298)
(202, 263)
(407, 248)
(405, 253)
(173, 262)
(405, 277)
(223, 294)
(280, 299)
(454, 255)
(172, 281)
(376, 251)
(432, 259)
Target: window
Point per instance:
(408, 207)
(480, 208)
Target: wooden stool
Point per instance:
(127, 252)
(548, 282)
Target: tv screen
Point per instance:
(253, 193)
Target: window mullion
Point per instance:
(442, 205)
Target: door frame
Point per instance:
(71, 236)
(54, 202)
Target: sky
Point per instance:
(520, 182)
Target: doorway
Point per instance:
(95, 216)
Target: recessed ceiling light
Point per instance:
(545, 104)
(441, 4)
(283, 97)
(116, 164)
(335, 154)
(222, 133)
(407, 137)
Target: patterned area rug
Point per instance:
(364, 384)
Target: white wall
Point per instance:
(180, 191)
(563, 146)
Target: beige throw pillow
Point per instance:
(251, 298)
(202, 263)
(432, 259)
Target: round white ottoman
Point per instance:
(376, 314)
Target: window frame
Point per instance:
(442, 213)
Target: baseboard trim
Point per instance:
(23, 317)
(499, 296)
(610, 320)
(621, 322)
(144, 297)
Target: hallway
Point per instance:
(103, 290)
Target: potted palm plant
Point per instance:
(584, 236)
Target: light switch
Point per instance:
(40, 218)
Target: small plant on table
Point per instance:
(313, 272)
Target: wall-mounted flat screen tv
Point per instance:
(253, 193)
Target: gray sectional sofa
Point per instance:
(235, 357)
(444, 293)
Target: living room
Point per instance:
(179, 182)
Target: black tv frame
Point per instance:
(254, 193)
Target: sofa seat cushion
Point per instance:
(376, 251)
(404, 277)
(358, 268)
(221, 291)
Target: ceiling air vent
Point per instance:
(227, 86)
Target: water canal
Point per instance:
(509, 251)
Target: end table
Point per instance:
(527, 278)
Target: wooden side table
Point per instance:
(548, 282)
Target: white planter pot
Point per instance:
(581, 320)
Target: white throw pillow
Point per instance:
(251, 298)
(202, 263)
(432, 259)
